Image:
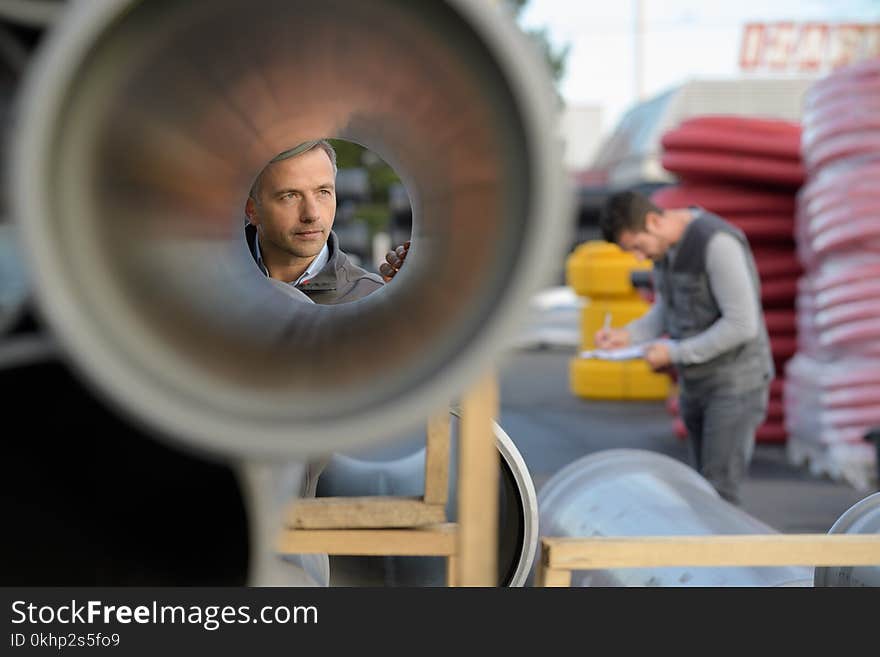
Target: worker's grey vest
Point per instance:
(690, 308)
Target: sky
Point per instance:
(682, 39)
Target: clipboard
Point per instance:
(633, 352)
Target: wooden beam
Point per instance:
(727, 550)
(451, 571)
(478, 487)
(552, 577)
(362, 513)
(439, 540)
(437, 459)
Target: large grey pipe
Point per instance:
(365, 475)
(32, 13)
(631, 492)
(268, 489)
(13, 282)
(863, 517)
(140, 129)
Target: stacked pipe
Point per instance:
(832, 385)
(747, 170)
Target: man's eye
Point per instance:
(326, 192)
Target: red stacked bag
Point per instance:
(832, 389)
(747, 170)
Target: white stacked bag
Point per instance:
(832, 385)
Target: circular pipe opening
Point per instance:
(141, 127)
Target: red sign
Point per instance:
(806, 47)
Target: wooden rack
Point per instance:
(417, 526)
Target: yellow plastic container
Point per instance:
(602, 379)
(621, 311)
(601, 269)
(601, 272)
(597, 379)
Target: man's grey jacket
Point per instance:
(690, 309)
(339, 281)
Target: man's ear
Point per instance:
(653, 221)
(250, 209)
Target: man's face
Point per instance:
(648, 243)
(296, 204)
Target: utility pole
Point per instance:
(639, 49)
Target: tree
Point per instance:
(556, 58)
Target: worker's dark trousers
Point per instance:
(721, 430)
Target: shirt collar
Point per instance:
(314, 267)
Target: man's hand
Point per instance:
(393, 261)
(611, 338)
(658, 357)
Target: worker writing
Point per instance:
(706, 322)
